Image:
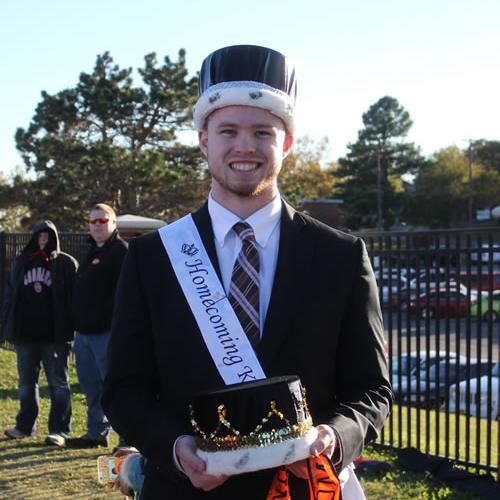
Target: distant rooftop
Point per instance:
(129, 221)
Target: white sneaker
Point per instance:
(55, 440)
(14, 433)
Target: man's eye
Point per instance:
(227, 131)
(263, 133)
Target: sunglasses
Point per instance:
(101, 220)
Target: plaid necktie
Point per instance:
(244, 287)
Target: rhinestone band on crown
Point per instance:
(234, 441)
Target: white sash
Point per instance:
(228, 344)
(229, 347)
(349, 484)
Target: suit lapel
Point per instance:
(204, 225)
(294, 260)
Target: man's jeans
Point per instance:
(54, 358)
(91, 353)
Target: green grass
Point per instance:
(471, 439)
(29, 470)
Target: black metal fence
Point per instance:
(440, 296)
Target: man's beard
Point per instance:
(244, 191)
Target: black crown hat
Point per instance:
(247, 75)
(252, 425)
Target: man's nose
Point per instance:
(245, 143)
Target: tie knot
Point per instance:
(244, 231)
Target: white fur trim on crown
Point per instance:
(258, 458)
(245, 93)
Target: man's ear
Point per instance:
(287, 144)
(203, 141)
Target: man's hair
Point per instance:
(105, 208)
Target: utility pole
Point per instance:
(379, 192)
(471, 143)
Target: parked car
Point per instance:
(406, 272)
(474, 401)
(483, 253)
(388, 287)
(434, 278)
(415, 361)
(430, 387)
(484, 281)
(445, 302)
(485, 309)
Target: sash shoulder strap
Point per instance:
(224, 337)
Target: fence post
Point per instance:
(3, 262)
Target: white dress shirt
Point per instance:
(266, 227)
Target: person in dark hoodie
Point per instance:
(93, 300)
(36, 315)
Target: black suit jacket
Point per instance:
(323, 324)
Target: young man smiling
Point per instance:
(244, 147)
(315, 312)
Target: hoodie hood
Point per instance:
(53, 246)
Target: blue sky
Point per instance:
(439, 58)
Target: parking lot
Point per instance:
(463, 336)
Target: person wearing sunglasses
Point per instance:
(94, 293)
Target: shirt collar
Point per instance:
(262, 222)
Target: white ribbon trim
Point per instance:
(254, 94)
(255, 458)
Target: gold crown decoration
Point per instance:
(215, 442)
